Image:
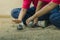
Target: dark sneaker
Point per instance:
(47, 23)
(19, 27)
(35, 26)
(32, 25)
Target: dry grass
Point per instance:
(8, 31)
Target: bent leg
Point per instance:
(15, 12)
(55, 19)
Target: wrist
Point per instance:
(32, 17)
(20, 19)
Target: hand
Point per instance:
(17, 21)
(29, 20)
(35, 20)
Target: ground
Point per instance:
(8, 31)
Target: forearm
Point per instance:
(44, 10)
(22, 13)
(39, 6)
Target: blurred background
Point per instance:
(7, 5)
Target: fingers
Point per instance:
(16, 21)
(35, 20)
(27, 21)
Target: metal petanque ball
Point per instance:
(19, 27)
(30, 24)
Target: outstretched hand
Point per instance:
(29, 20)
(17, 21)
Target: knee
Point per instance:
(15, 12)
(52, 19)
(55, 19)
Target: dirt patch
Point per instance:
(8, 31)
